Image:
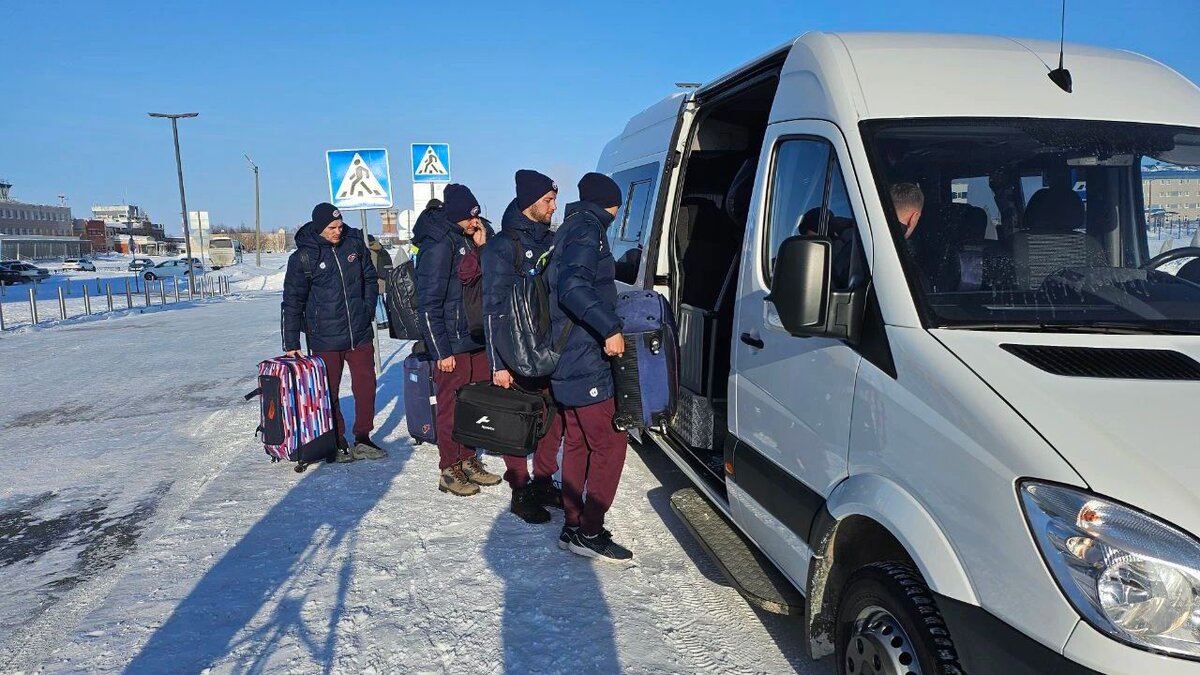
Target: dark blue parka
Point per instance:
(583, 287)
(500, 272)
(441, 246)
(335, 307)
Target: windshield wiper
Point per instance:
(1093, 327)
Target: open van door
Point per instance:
(641, 161)
(792, 395)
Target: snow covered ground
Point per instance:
(143, 529)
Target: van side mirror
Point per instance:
(801, 290)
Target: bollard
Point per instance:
(162, 292)
(108, 293)
(137, 285)
(68, 285)
(33, 306)
(87, 301)
(62, 305)
(98, 289)
(128, 296)
(1, 315)
(146, 292)
(175, 286)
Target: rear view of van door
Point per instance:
(792, 395)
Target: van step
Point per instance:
(746, 568)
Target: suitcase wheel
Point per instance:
(300, 467)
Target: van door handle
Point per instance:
(749, 339)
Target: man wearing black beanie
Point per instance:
(449, 293)
(524, 239)
(584, 291)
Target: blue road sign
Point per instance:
(359, 179)
(431, 162)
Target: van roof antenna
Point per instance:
(688, 85)
(1061, 76)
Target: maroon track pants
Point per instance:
(593, 457)
(469, 367)
(361, 360)
(545, 456)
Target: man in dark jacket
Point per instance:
(448, 282)
(330, 291)
(524, 238)
(584, 291)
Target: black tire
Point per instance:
(899, 591)
(149, 276)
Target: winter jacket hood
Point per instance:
(441, 247)
(500, 272)
(583, 289)
(329, 292)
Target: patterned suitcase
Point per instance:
(647, 375)
(295, 414)
(420, 404)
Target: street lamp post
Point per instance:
(187, 233)
(257, 219)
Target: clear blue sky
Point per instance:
(509, 85)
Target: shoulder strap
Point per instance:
(518, 248)
(305, 263)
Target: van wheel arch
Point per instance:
(841, 548)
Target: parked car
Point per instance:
(139, 264)
(171, 268)
(936, 393)
(9, 277)
(26, 273)
(79, 265)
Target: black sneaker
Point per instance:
(568, 535)
(545, 494)
(601, 547)
(525, 506)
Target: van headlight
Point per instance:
(1130, 575)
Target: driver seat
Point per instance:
(1053, 238)
(1190, 271)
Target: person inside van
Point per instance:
(908, 200)
(447, 266)
(584, 292)
(330, 291)
(524, 239)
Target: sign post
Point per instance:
(361, 179)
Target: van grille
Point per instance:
(1128, 364)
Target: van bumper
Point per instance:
(986, 646)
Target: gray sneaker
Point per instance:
(365, 449)
(343, 455)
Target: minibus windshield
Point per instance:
(1031, 224)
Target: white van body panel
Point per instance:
(1138, 444)
(791, 554)
(1089, 647)
(944, 437)
(846, 77)
(646, 138)
(886, 503)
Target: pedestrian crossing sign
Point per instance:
(359, 179)
(431, 162)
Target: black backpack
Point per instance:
(401, 302)
(529, 347)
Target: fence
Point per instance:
(119, 294)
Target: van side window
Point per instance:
(632, 225)
(797, 193)
(849, 260)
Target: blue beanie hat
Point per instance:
(532, 186)
(459, 204)
(599, 190)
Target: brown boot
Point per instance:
(455, 481)
(477, 474)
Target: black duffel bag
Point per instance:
(501, 421)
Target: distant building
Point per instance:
(38, 220)
(93, 231)
(1171, 192)
(128, 215)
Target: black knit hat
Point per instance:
(459, 204)
(599, 190)
(323, 214)
(532, 186)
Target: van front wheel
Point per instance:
(888, 623)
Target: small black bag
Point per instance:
(400, 301)
(528, 345)
(501, 421)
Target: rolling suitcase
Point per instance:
(420, 404)
(646, 377)
(295, 413)
(501, 421)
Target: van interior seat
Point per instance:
(1053, 239)
(708, 246)
(1190, 271)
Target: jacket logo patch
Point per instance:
(528, 254)
(322, 265)
(594, 392)
(352, 257)
(462, 251)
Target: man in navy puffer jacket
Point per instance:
(448, 277)
(526, 220)
(584, 291)
(330, 292)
